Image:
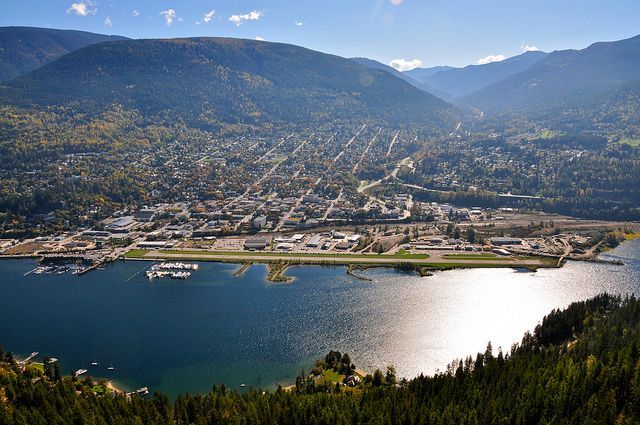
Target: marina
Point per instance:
(172, 270)
(57, 270)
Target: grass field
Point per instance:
(331, 376)
(482, 257)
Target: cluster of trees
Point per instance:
(580, 365)
(577, 175)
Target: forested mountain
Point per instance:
(602, 79)
(459, 82)
(579, 366)
(23, 49)
(209, 81)
(370, 63)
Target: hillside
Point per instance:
(422, 74)
(581, 365)
(210, 81)
(460, 82)
(23, 49)
(373, 64)
(574, 83)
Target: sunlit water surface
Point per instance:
(184, 336)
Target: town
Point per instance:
(349, 194)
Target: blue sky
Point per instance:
(411, 32)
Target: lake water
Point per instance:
(185, 336)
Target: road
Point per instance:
(364, 154)
(393, 142)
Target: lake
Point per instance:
(184, 336)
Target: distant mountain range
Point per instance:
(23, 49)
(209, 81)
(588, 79)
(580, 88)
(460, 82)
(373, 64)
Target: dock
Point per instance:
(139, 391)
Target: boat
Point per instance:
(79, 372)
(111, 368)
(243, 385)
(94, 363)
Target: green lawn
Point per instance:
(331, 376)
(475, 257)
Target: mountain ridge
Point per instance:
(213, 80)
(567, 79)
(24, 49)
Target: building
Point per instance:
(121, 225)
(285, 246)
(343, 245)
(260, 222)
(255, 243)
(500, 241)
(314, 242)
(155, 244)
(145, 214)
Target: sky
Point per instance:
(402, 33)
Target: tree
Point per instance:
(471, 235)
(378, 378)
(449, 230)
(390, 377)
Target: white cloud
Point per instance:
(396, 2)
(169, 16)
(135, 13)
(490, 59)
(405, 65)
(528, 48)
(299, 23)
(259, 38)
(208, 17)
(254, 15)
(83, 8)
(107, 21)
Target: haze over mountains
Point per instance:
(23, 49)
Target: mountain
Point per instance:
(460, 82)
(208, 81)
(23, 49)
(373, 64)
(422, 74)
(585, 81)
